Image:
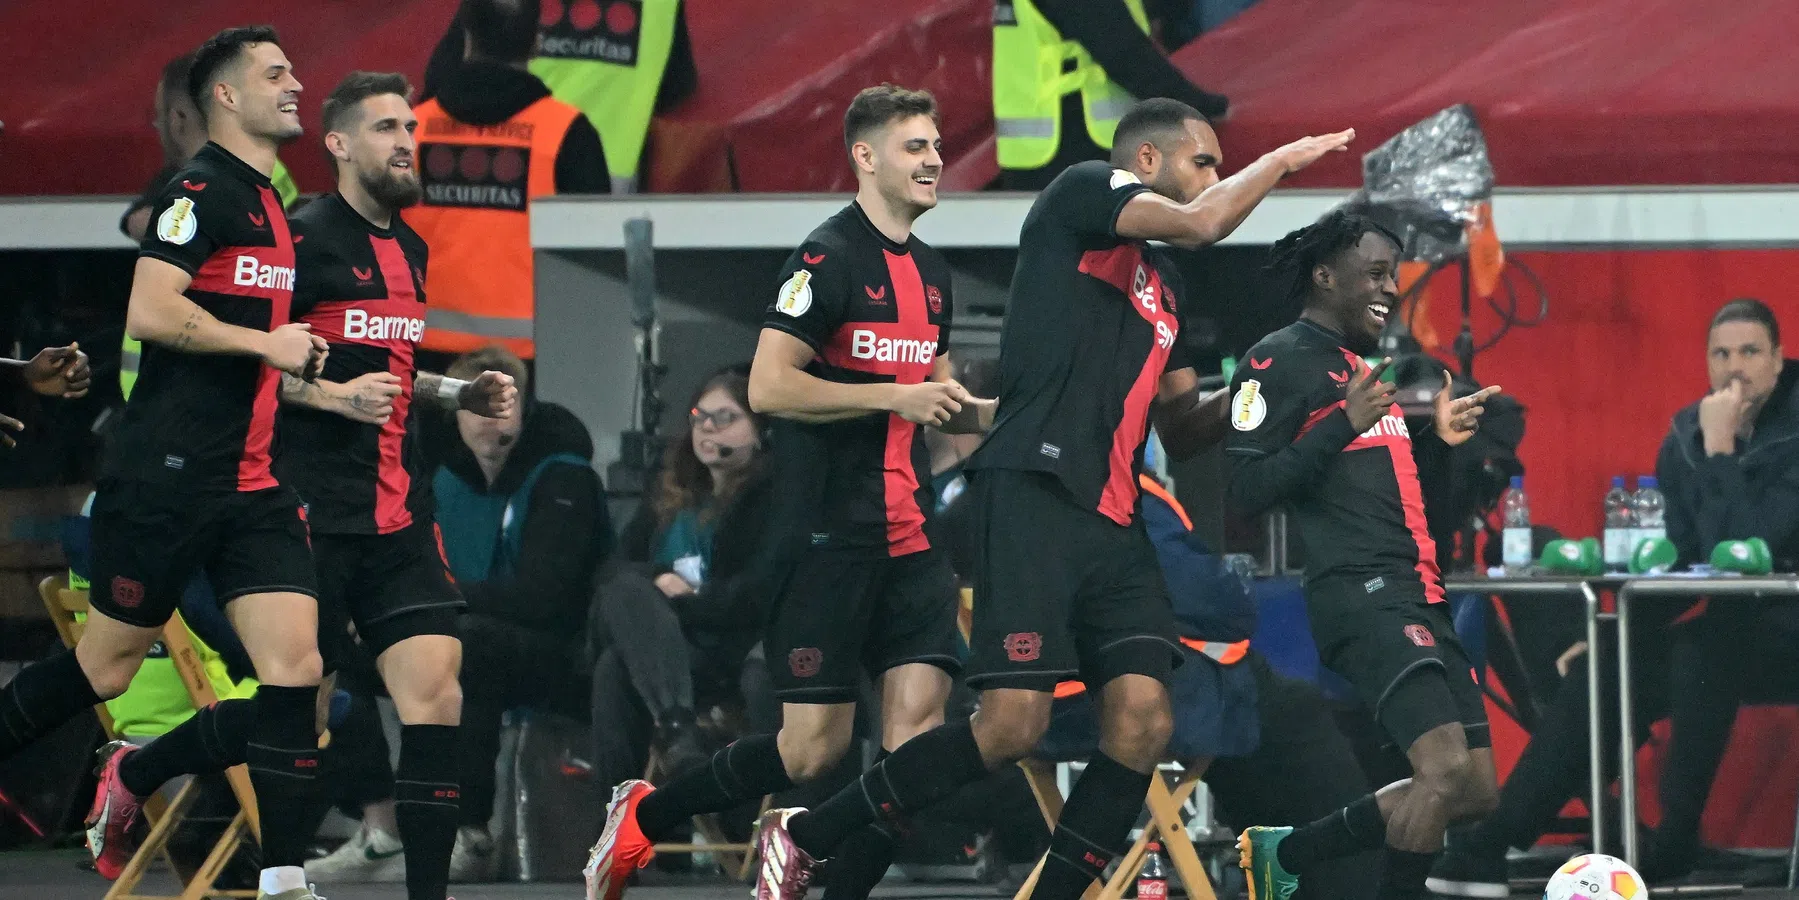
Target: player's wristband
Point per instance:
(450, 390)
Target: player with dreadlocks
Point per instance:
(1315, 429)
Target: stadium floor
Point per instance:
(56, 875)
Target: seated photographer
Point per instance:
(679, 610)
(1729, 469)
(524, 529)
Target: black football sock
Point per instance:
(1402, 875)
(426, 804)
(1095, 827)
(862, 860)
(921, 772)
(212, 740)
(748, 769)
(284, 762)
(42, 696)
(1350, 830)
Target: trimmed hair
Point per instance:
(1295, 255)
(877, 107)
(501, 30)
(218, 54)
(344, 104)
(1153, 120)
(176, 73)
(492, 357)
(1748, 309)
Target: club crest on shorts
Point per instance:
(796, 295)
(805, 661)
(1248, 409)
(1024, 646)
(127, 592)
(177, 224)
(1420, 635)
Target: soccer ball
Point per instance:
(1596, 876)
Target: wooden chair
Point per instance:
(732, 856)
(63, 604)
(1165, 825)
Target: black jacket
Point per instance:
(736, 595)
(1753, 492)
(478, 92)
(567, 532)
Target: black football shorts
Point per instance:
(1399, 652)
(149, 539)
(1061, 591)
(390, 586)
(839, 614)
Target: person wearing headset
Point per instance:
(677, 614)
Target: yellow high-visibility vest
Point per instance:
(1033, 69)
(611, 69)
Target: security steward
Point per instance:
(1074, 60)
(491, 141)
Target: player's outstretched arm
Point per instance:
(976, 415)
(780, 386)
(160, 313)
(368, 398)
(1187, 419)
(1219, 209)
(492, 394)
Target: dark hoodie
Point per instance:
(479, 92)
(1753, 492)
(564, 537)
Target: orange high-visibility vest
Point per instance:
(479, 181)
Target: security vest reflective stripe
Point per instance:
(479, 181)
(1033, 69)
(610, 65)
(131, 352)
(1224, 654)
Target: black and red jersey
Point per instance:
(362, 289)
(208, 420)
(1354, 497)
(875, 311)
(1092, 323)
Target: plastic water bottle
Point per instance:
(1152, 879)
(1620, 522)
(1516, 510)
(1647, 503)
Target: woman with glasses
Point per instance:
(679, 612)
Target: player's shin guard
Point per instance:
(862, 860)
(924, 770)
(1353, 829)
(38, 699)
(426, 802)
(283, 753)
(212, 740)
(1095, 827)
(748, 769)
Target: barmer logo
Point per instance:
(1388, 426)
(359, 325)
(250, 272)
(865, 344)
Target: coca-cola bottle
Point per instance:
(1152, 879)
